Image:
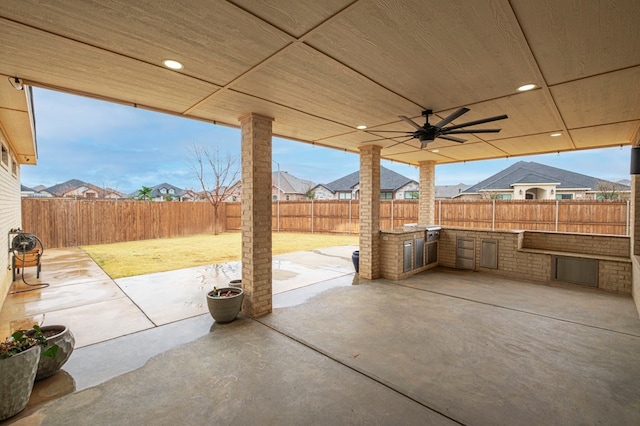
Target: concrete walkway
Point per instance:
(443, 347)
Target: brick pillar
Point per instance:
(427, 197)
(370, 212)
(256, 214)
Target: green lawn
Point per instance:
(148, 256)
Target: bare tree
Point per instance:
(608, 190)
(216, 173)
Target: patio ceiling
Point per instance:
(323, 68)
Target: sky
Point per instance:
(125, 148)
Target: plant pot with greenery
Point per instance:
(225, 303)
(60, 336)
(19, 356)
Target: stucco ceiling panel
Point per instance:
(53, 60)
(574, 39)
(294, 16)
(438, 54)
(609, 135)
(230, 105)
(211, 39)
(603, 99)
(305, 80)
(542, 143)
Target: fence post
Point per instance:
(440, 212)
(493, 215)
(557, 208)
(628, 215)
(312, 215)
(349, 216)
(392, 213)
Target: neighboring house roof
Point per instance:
(156, 190)
(26, 188)
(531, 172)
(449, 191)
(389, 181)
(61, 189)
(290, 184)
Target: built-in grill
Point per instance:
(432, 235)
(433, 232)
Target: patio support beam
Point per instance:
(427, 194)
(370, 212)
(256, 214)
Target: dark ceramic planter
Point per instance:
(225, 309)
(355, 258)
(65, 341)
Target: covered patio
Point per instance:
(441, 347)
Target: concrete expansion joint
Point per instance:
(357, 370)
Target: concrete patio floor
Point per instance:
(442, 347)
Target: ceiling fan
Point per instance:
(429, 132)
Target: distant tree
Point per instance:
(145, 193)
(607, 190)
(216, 173)
(310, 194)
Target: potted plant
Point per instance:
(57, 336)
(224, 303)
(19, 356)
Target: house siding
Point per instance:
(10, 215)
(322, 193)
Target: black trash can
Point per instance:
(355, 258)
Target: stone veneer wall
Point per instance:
(516, 259)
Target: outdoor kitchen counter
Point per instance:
(405, 252)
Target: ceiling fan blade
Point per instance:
(389, 131)
(398, 143)
(410, 121)
(452, 117)
(451, 138)
(473, 123)
(459, 132)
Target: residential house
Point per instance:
(26, 192)
(392, 186)
(284, 187)
(168, 192)
(76, 188)
(535, 181)
(450, 191)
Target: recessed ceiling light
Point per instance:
(527, 87)
(174, 65)
(361, 127)
(555, 135)
(435, 150)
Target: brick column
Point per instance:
(256, 214)
(370, 212)
(426, 202)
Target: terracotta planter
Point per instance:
(17, 375)
(65, 341)
(225, 309)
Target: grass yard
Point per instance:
(148, 256)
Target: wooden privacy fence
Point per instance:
(581, 216)
(64, 222)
